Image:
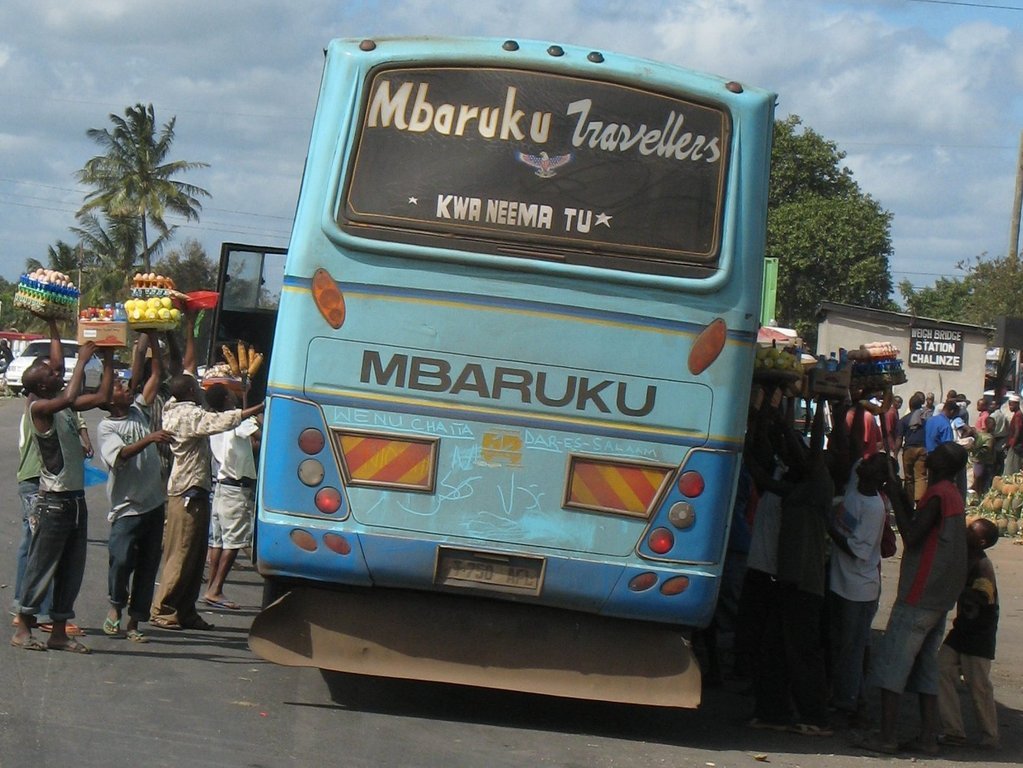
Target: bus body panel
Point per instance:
(505, 424)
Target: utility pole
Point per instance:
(1016, 205)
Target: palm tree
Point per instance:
(134, 180)
(60, 256)
(108, 250)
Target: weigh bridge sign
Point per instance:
(935, 346)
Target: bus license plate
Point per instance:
(502, 573)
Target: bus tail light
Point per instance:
(328, 298)
(336, 543)
(328, 500)
(386, 461)
(303, 540)
(311, 441)
(693, 509)
(675, 585)
(691, 484)
(642, 582)
(603, 485)
(660, 541)
(707, 347)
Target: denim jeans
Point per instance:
(28, 490)
(134, 548)
(56, 555)
(849, 632)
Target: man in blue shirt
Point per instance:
(938, 428)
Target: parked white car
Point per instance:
(41, 348)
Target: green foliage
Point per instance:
(805, 164)
(989, 289)
(189, 267)
(133, 181)
(996, 289)
(831, 240)
(11, 318)
(133, 187)
(947, 299)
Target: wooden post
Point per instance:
(1016, 205)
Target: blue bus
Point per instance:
(513, 350)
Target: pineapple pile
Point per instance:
(1003, 504)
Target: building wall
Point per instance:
(839, 329)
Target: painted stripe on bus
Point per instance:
(677, 437)
(520, 306)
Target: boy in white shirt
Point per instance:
(234, 495)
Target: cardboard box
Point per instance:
(825, 382)
(103, 333)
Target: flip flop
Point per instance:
(72, 646)
(225, 603)
(164, 624)
(29, 644)
(136, 636)
(111, 627)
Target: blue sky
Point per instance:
(925, 97)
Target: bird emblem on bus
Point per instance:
(543, 164)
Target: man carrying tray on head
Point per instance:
(60, 517)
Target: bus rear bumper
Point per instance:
(484, 643)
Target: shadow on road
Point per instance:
(719, 725)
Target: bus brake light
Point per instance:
(661, 541)
(691, 484)
(311, 441)
(707, 347)
(328, 500)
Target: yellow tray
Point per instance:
(154, 325)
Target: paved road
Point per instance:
(202, 699)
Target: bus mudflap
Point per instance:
(479, 642)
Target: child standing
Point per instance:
(128, 446)
(970, 646)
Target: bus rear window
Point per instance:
(539, 165)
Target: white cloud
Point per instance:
(926, 100)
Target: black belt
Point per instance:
(245, 482)
(64, 494)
